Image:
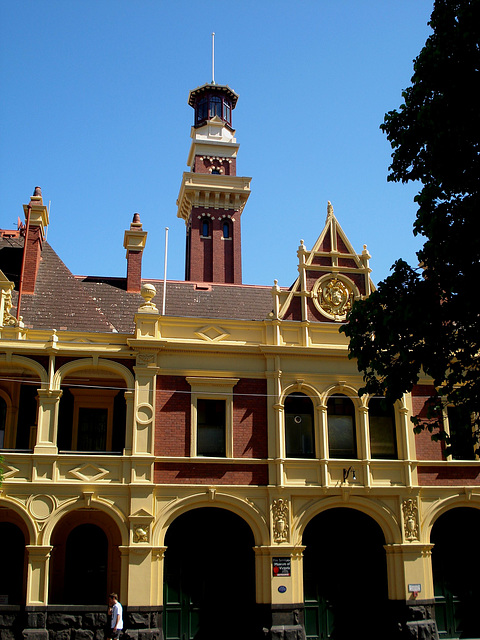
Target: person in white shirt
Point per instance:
(117, 616)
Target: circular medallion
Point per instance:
(41, 506)
(333, 296)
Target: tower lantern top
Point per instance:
(212, 100)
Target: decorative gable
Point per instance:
(331, 277)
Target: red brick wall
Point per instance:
(448, 476)
(172, 437)
(426, 448)
(210, 473)
(134, 271)
(32, 259)
(214, 259)
(172, 416)
(202, 165)
(250, 419)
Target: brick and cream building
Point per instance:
(214, 464)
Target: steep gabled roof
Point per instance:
(331, 276)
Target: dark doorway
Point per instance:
(456, 584)
(12, 561)
(86, 561)
(209, 584)
(345, 577)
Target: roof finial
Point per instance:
(213, 57)
(329, 210)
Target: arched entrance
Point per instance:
(345, 577)
(12, 562)
(457, 588)
(209, 583)
(85, 564)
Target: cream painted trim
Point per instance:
(213, 389)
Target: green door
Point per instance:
(456, 585)
(209, 577)
(181, 612)
(344, 577)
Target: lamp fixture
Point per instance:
(346, 473)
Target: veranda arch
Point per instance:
(381, 514)
(250, 514)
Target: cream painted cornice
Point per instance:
(212, 191)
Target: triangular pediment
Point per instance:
(331, 276)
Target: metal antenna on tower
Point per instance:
(213, 57)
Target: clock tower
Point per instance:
(212, 196)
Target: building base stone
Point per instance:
(286, 622)
(76, 622)
(415, 619)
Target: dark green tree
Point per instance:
(427, 318)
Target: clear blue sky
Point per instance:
(94, 110)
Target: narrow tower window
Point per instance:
(205, 228)
(226, 229)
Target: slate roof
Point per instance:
(86, 303)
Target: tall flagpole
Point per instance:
(213, 57)
(165, 273)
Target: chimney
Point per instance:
(134, 243)
(36, 223)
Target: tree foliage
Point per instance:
(427, 318)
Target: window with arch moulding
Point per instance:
(462, 438)
(383, 433)
(299, 426)
(342, 439)
(205, 228)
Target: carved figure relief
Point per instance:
(280, 520)
(140, 533)
(410, 519)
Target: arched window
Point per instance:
(226, 228)
(342, 439)
(205, 228)
(299, 426)
(383, 437)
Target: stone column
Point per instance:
(279, 571)
(37, 577)
(48, 404)
(409, 568)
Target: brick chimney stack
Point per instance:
(36, 223)
(134, 242)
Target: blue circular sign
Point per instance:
(282, 588)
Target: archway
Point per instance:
(345, 576)
(85, 564)
(209, 579)
(12, 560)
(457, 589)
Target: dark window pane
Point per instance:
(461, 437)
(211, 427)
(383, 438)
(341, 427)
(92, 429)
(215, 107)
(226, 229)
(227, 112)
(202, 110)
(299, 426)
(205, 228)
